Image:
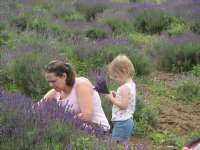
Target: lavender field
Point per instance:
(161, 37)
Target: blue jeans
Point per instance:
(122, 130)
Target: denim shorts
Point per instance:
(122, 130)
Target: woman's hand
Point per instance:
(41, 101)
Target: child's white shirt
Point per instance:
(124, 114)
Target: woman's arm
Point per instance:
(84, 93)
(50, 95)
(123, 102)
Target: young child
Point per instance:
(121, 70)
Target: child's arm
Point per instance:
(123, 102)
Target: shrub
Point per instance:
(2, 26)
(26, 67)
(67, 12)
(90, 9)
(179, 57)
(4, 38)
(20, 21)
(195, 27)
(28, 74)
(73, 17)
(177, 28)
(145, 117)
(152, 21)
(6, 80)
(24, 21)
(105, 56)
(38, 24)
(95, 34)
(196, 70)
(117, 25)
(188, 90)
(79, 58)
(167, 139)
(142, 1)
(141, 38)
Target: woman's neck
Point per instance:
(66, 91)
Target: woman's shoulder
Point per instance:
(83, 80)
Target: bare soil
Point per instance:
(174, 116)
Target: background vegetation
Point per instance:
(161, 37)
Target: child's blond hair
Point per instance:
(121, 65)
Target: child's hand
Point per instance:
(110, 96)
(113, 93)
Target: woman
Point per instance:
(76, 92)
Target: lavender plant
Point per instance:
(101, 84)
(45, 126)
(90, 8)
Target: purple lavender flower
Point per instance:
(101, 85)
(69, 147)
(4, 131)
(27, 122)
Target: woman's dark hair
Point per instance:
(59, 67)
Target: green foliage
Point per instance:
(179, 57)
(118, 25)
(6, 80)
(177, 27)
(38, 24)
(188, 91)
(140, 38)
(24, 21)
(80, 64)
(73, 17)
(67, 12)
(2, 26)
(82, 142)
(27, 73)
(195, 27)
(141, 63)
(152, 21)
(146, 118)
(56, 134)
(196, 70)
(94, 33)
(167, 138)
(21, 21)
(90, 9)
(107, 106)
(4, 38)
(158, 138)
(142, 1)
(106, 55)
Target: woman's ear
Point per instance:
(65, 75)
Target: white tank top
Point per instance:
(124, 114)
(72, 101)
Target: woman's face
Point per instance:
(56, 82)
